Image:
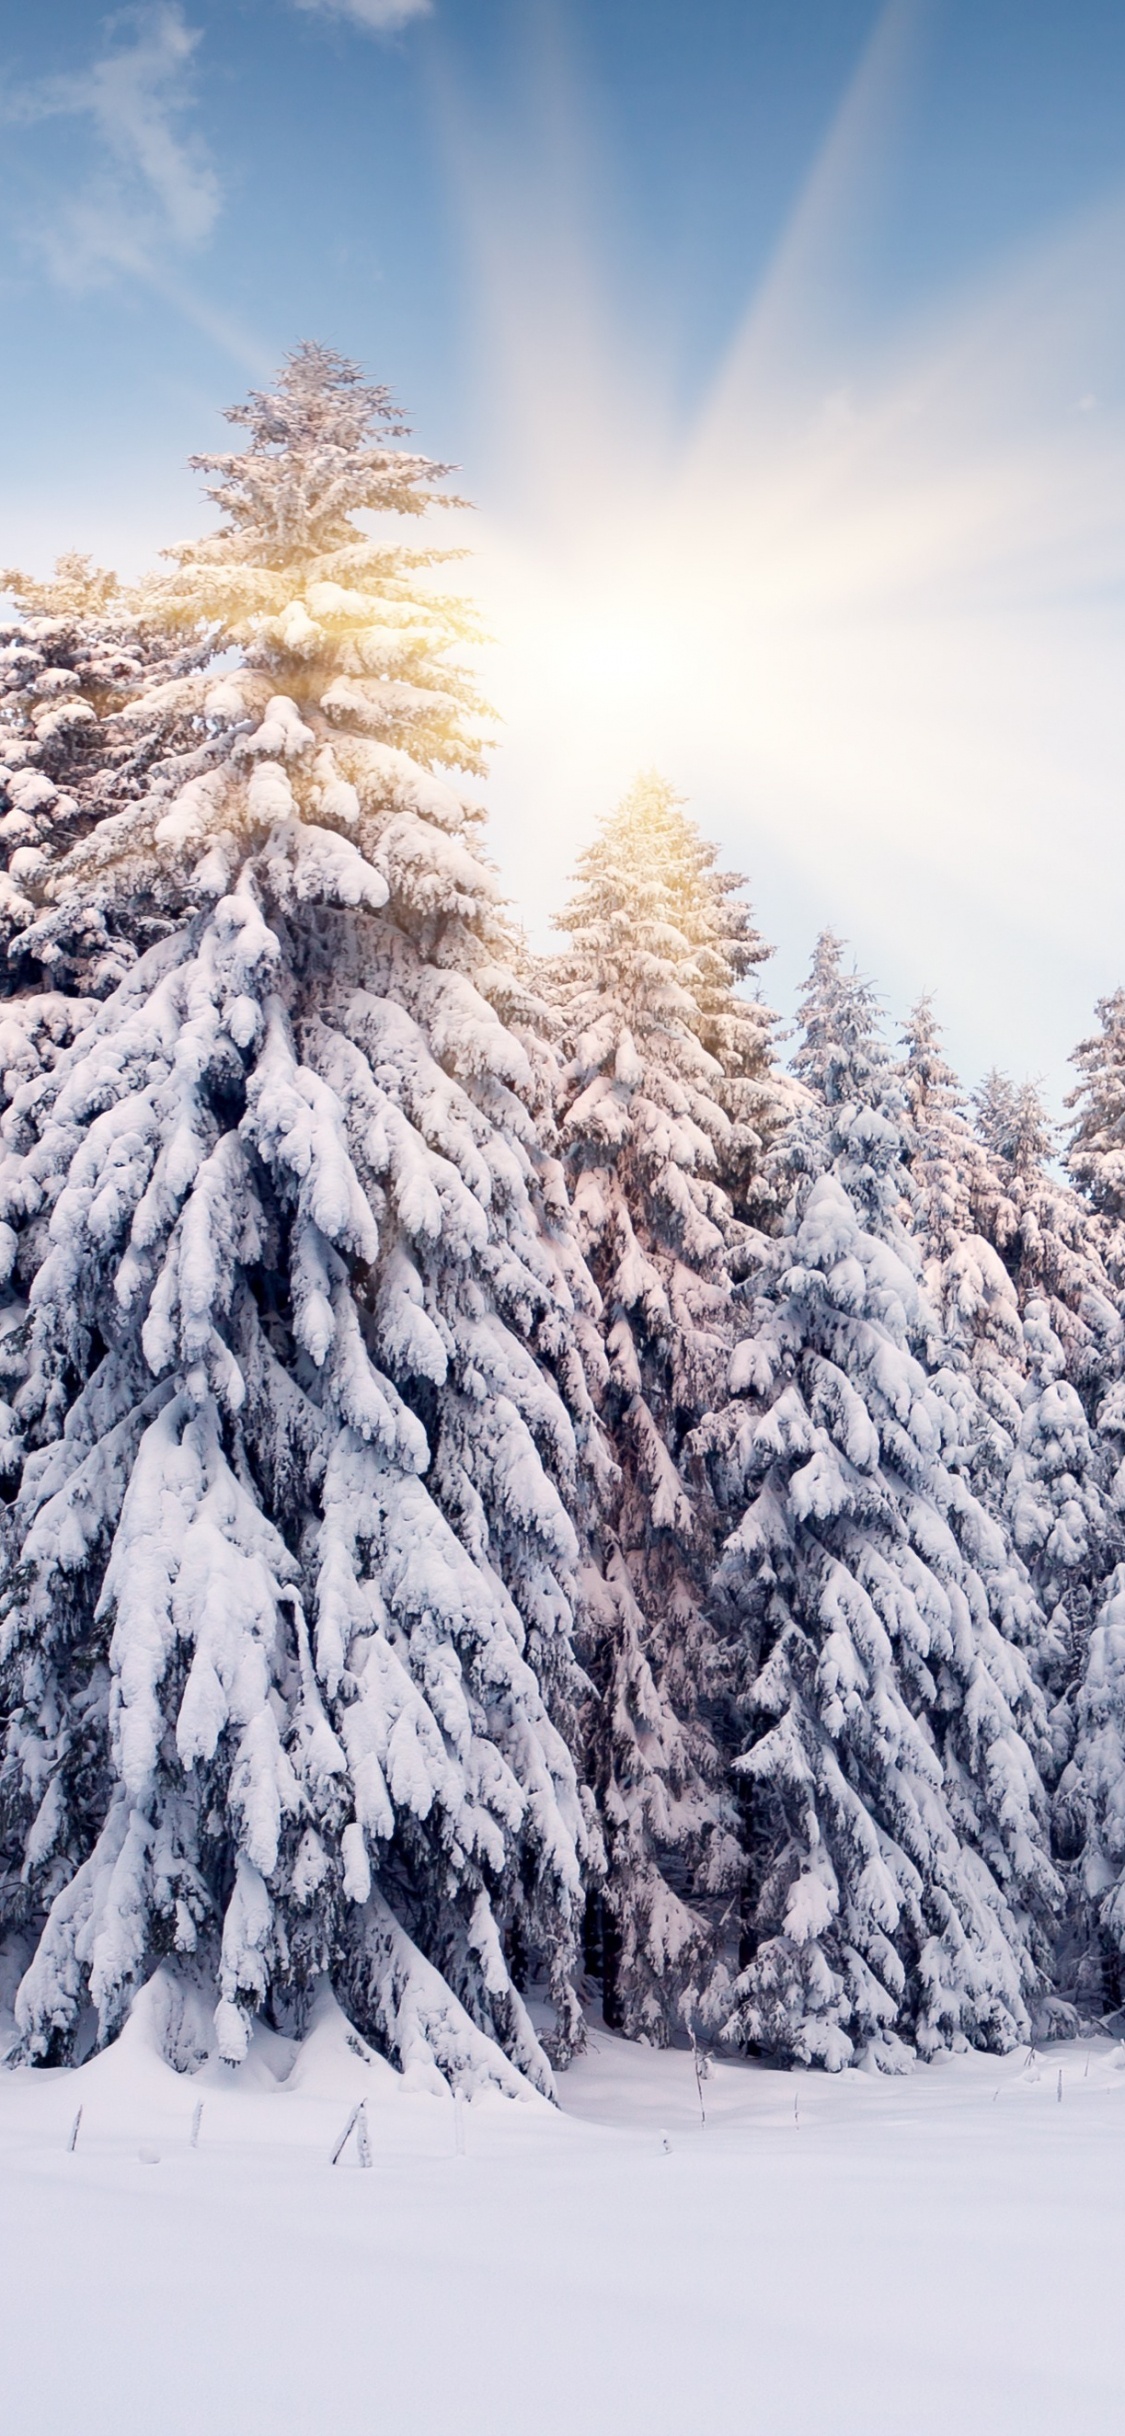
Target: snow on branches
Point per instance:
(894, 1731)
(287, 1601)
(483, 1455)
(669, 1101)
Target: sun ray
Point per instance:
(865, 607)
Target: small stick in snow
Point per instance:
(362, 2142)
(796, 2110)
(458, 2124)
(995, 2095)
(1060, 2085)
(702, 2069)
(72, 2143)
(345, 2135)
(196, 2120)
(1086, 2074)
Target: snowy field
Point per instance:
(852, 2256)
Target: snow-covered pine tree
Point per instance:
(1095, 1154)
(900, 1884)
(1053, 1243)
(88, 701)
(965, 1279)
(1063, 1516)
(669, 1102)
(1040, 1458)
(1089, 1816)
(945, 1154)
(1090, 1800)
(287, 1587)
(1023, 1272)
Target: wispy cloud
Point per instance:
(151, 189)
(375, 16)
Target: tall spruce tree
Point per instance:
(89, 699)
(1090, 1800)
(900, 1883)
(965, 1278)
(1056, 1248)
(1023, 1271)
(669, 1103)
(947, 1158)
(287, 1610)
(1089, 1816)
(1053, 1243)
(1095, 1155)
(1037, 1458)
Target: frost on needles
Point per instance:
(289, 1558)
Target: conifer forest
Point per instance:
(562, 1218)
(534, 1495)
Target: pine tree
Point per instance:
(1095, 1155)
(952, 1181)
(1028, 1304)
(89, 698)
(1064, 1518)
(1089, 1817)
(1039, 1459)
(1089, 1812)
(945, 1155)
(669, 1104)
(1052, 1243)
(895, 1813)
(286, 1657)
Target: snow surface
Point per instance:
(935, 2253)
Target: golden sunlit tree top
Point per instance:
(292, 580)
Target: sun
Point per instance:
(862, 605)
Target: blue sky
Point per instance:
(617, 258)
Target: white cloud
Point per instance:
(375, 16)
(152, 186)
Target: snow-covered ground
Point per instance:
(851, 2256)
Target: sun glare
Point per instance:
(865, 610)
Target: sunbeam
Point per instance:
(864, 605)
